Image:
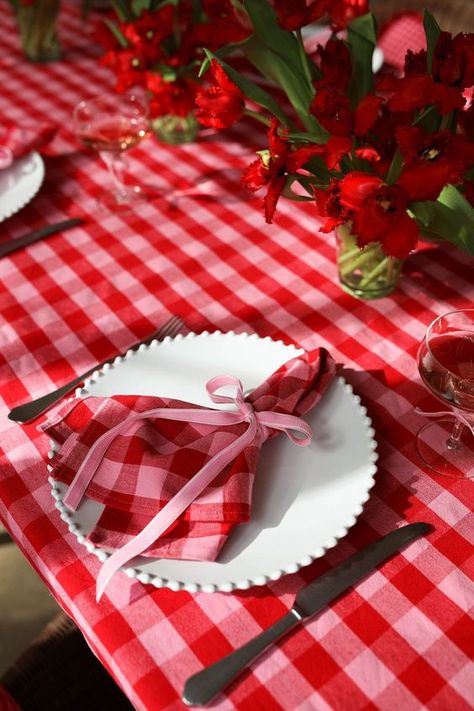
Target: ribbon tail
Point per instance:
(89, 466)
(174, 508)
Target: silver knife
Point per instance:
(37, 235)
(201, 688)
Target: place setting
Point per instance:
(238, 442)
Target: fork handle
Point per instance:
(31, 410)
(34, 408)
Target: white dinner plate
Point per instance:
(304, 499)
(19, 183)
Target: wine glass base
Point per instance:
(431, 446)
(127, 199)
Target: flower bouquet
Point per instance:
(383, 160)
(36, 20)
(158, 45)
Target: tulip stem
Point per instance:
(363, 257)
(257, 116)
(379, 269)
(348, 255)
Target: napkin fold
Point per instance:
(147, 458)
(17, 141)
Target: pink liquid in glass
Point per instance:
(446, 365)
(115, 134)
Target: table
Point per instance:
(401, 639)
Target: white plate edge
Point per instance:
(176, 585)
(30, 196)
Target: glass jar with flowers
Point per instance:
(36, 21)
(158, 45)
(381, 160)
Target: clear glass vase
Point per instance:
(366, 273)
(37, 27)
(175, 129)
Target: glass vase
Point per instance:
(366, 273)
(175, 129)
(37, 27)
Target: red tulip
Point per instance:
(222, 104)
(379, 213)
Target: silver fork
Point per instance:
(31, 410)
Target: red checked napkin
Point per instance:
(18, 141)
(148, 463)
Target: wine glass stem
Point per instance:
(454, 439)
(115, 167)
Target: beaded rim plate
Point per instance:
(305, 498)
(19, 184)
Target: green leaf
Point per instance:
(139, 5)
(288, 191)
(122, 10)
(116, 33)
(251, 90)
(453, 198)
(361, 36)
(395, 168)
(320, 173)
(297, 137)
(276, 54)
(453, 222)
(432, 32)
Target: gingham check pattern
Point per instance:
(21, 140)
(146, 465)
(403, 639)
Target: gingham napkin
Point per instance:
(17, 141)
(145, 466)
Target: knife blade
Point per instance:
(202, 687)
(37, 235)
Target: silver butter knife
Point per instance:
(32, 409)
(201, 688)
(18, 242)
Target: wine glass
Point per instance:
(446, 366)
(112, 124)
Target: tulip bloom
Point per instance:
(222, 104)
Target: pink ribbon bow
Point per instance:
(259, 423)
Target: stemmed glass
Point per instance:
(112, 124)
(446, 366)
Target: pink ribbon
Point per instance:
(448, 413)
(258, 422)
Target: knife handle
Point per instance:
(201, 688)
(25, 240)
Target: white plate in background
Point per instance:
(19, 183)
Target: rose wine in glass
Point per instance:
(446, 366)
(111, 125)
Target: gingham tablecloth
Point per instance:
(403, 639)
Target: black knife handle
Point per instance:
(32, 237)
(201, 688)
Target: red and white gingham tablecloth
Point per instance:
(403, 639)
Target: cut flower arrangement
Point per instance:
(36, 21)
(383, 159)
(37, 25)
(159, 46)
